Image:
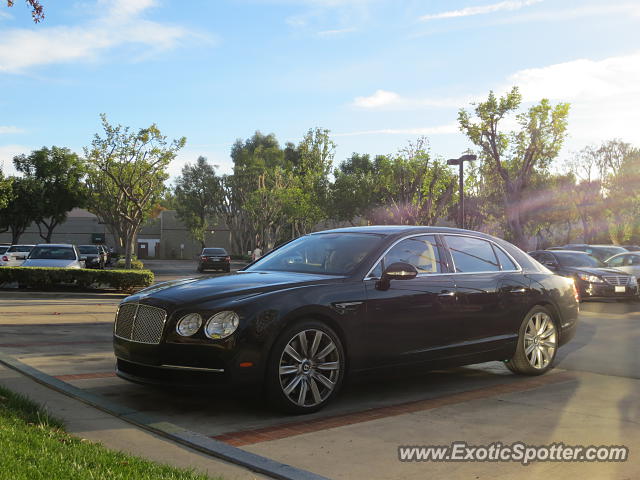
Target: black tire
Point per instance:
(521, 362)
(316, 390)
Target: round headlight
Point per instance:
(221, 325)
(189, 324)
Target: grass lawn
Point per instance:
(35, 446)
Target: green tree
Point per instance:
(353, 192)
(58, 186)
(414, 188)
(18, 212)
(5, 190)
(126, 175)
(197, 192)
(516, 155)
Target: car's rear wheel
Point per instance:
(537, 343)
(306, 368)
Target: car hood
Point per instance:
(51, 263)
(596, 270)
(201, 289)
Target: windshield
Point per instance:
(20, 248)
(214, 251)
(52, 253)
(327, 253)
(88, 249)
(605, 252)
(567, 259)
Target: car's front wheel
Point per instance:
(306, 367)
(537, 343)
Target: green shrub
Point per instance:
(246, 258)
(84, 278)
(135, 264)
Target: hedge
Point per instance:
(83, 278)
(135, 264)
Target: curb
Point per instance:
(196, 441)
(12, 294)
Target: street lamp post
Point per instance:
(460, 162)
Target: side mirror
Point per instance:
(396, 271)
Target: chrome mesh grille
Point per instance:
(617, 279)
(140, 323)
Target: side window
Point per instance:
(505, 262)
(634, 260)
(422, 252)
(376, 272)
(472, 254)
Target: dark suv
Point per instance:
(214, 259)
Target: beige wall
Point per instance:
(164, 234)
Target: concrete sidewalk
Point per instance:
(97, 426)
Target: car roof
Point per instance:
(399, 229)
(54, 245)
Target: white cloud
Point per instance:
(384, 99)
(381, 98)
(437, 130)
(508, 5)
(21, 49)
(6, 130)
(338, 31)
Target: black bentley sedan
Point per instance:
(344, 302)
(593, 278)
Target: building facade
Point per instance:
(162, 237)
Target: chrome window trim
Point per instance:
(366, 277)
(519, 269)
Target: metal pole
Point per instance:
(461, 180)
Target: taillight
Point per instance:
(576, 294)
(5, 258)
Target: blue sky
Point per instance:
(377, 73)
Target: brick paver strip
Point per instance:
(85, 376)
(51, 344)
(248, 437)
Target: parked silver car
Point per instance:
(627, 262)
(63, 255)
(15, 255)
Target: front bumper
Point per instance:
(186, 364)
(605, 290)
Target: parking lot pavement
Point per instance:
(592, 397)
(165, 270)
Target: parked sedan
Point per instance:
(54, 255)
(601, 252)
(593, 278)
(93, 256)
(15, 255)
(627, 262)
(214, 259)
(346, 301)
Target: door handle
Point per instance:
(447, 294)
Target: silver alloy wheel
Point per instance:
(309, 368)
(540, 340)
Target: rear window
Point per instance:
(52, 253)
(214, 251)
(19, 248)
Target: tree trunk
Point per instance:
(512, 207)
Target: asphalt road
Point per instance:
(592, 396)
